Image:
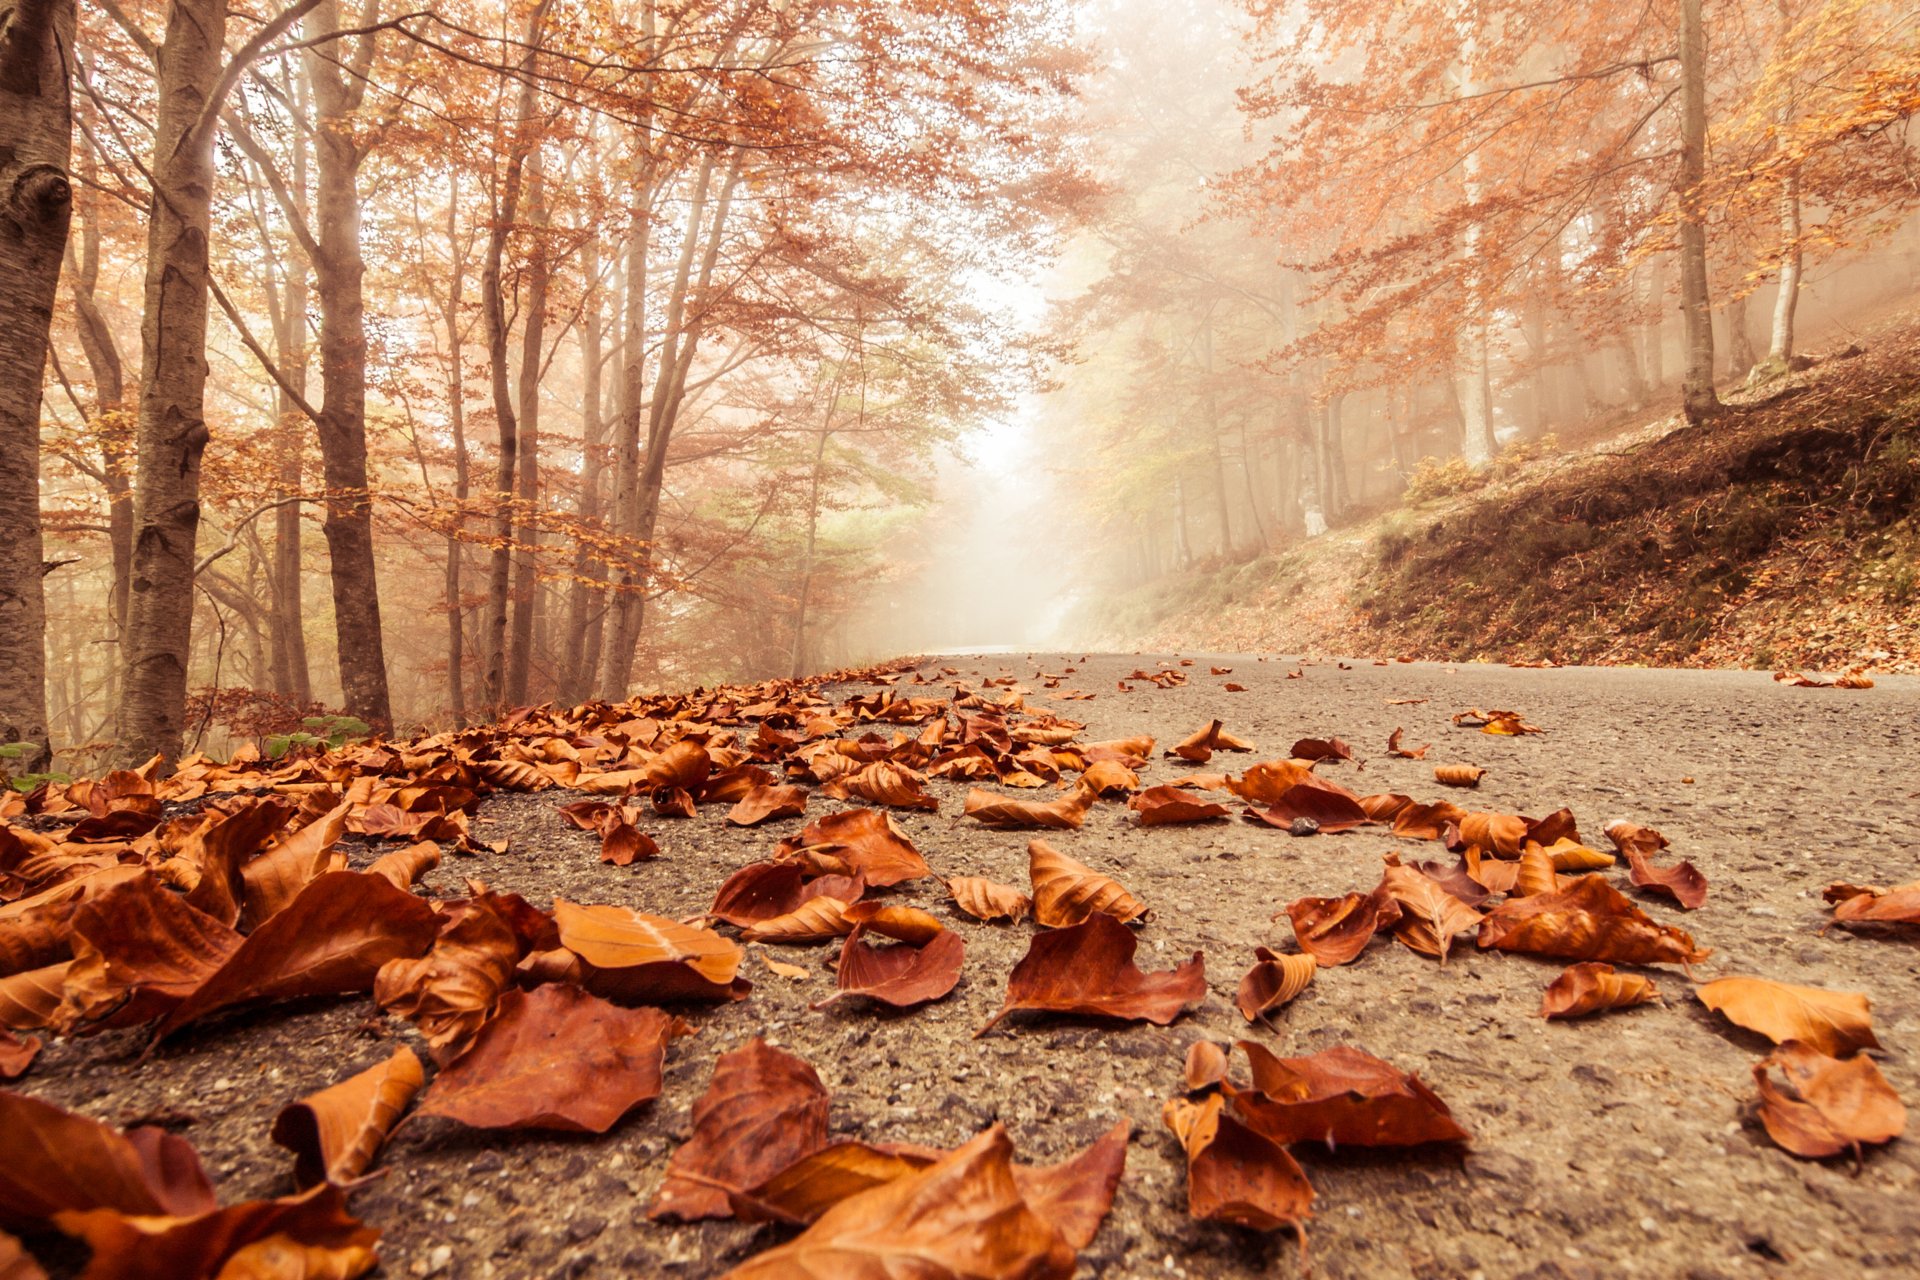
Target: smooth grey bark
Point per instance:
(576, 669)
(1698, 398)
(533, 328)
(36, 205)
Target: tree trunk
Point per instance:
(1699, 401)
(171, 433)
(1476, 398)
(616, 659)
(1740, 355)
(36, 202)
(1338, 499)
(533, 330)
(583, 600)
(292, 674)
(338, 270)
(462, 473)
(797, 659)
(494, 314)
(1780, 345)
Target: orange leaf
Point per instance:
(1834, 1022)
(1089, 969)
(335, 1134)
(1066, 892)
(1593, 987)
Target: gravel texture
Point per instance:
(1615, 1146)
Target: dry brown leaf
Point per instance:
(883, 782)
(814, 920)
(764, 1110)
(1161, 806)
(1234, 1174)
(1274, 980)
(1430, 917)
(1198, 746)
(1331, 808)
(1835, 1023)
(1343, 1097)
(1458, 775)
(403, 867)
(1070, 810)
(1321, 749)
(1592, 987)
(1066, 892)
(555, 1058)
(1088, 969)
(1898, 905)
(310, 1236)
(449, 992)
(763, 890)
(1406, 753)
(1265, 783)
(1828, 1105)
(988, 900)
(764, 803)
(1206, 1065)
(863, 840)
(1590, 921)
(53, 1160)
(1109, 777)
(16, 1263)
(906, 924)
(16, 1054)
(1682, 882)
(335, 1134)
(902, 975)
(1334, 931)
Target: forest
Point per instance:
(967, 639)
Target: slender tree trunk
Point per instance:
(494, 315)
(36, 203)
(1740, 355)
(1699, 401)
(1247, 467)
(797, 659)
(1338, 499)
(462, 473)
(171, 433)
(292, 672)
(533, 330)
(1780, 345)
(339, 269)
(575, 672)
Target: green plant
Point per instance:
(317, 732)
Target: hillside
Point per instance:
(1783, 534)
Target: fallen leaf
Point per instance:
(1089, 969)
(960, 1218)
(1430, 917)
(815, 920)
(403, 867)
(987, 900)
(1274, 980)
(1343, 1097)
(1397, 751)
(763, 890)
(1835, 1023)
(1330, 808)
(866, 841)
(335, 1134)
(276, 877)
(330, 940)
(1066, 892)
(1109, 777)
(1590, 921)
(53, 1160)
(764, 1110)
(902, 923)
(1334, 931)
(636, 958)
(15, 1263)
(310, 1235)
(1206, 1065)
(883, 782)
(449, 992)
(1321, 749)
(555, 1058)
(16, 1055)
(1827, 1105)
(1592, 987)
(764, 803)
(1899, 905)
(1458, 775)
(1268, 781)
(1161, 806)
(902, 975)
(622, 844)
(1070, 810)
(1233, 1173)
(1681, 882)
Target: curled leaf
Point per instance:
(1069, 811)
(1827, 1105)
(1590, 921)
(902, 975)
(1066, 892)
(1089, 969)
(1592, 987)
(1343, 1097)
(335, 1134)
(1835, 1023)
(1334, 931)
(1458, 775)
(987, 900)
(1161, 806)
(1273, 981)
(1233, 1173)
(764, 1110)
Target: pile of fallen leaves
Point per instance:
(151, 900)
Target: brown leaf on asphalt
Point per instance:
(1088, 969)
(684, 766)
(52, 1160)
(1331, 808)
(1631, 837)
(1334, 931)
(1109, 777)
(672, 802)
(1076, 1194)
(986, 900)
(815, 920)
(1827, 1105)
(450, 992)
(961, 1218)
(1199, 745)
(1069, 811)
(37, 937)
(622, 844)
(329, 940)
(1273, 981)
(1411, 820)
(903, 923)
(335, 1134)
(1343, 1097)
(1534, 874)
(309, 1236)
(799, 1193)
(220, 848)
(1234, 1174)
(1898, 905)
(763, 890)
(883, 782)
(1592, 987)
(1501, 834)
(1266, 782)
(1066, 892)
(1682, 882)
(29, 1001)
(555, 1058)
(1131, 752)
(1836, 1023)
(763, 1111)
(867, 841)
(903, 974)
(1503, 723)
(1321, 749)
(139, 950)
(764, 803)
(276, 877)
(403, 867)
(636, 958)
(1206, 1065)
(1163, 805)
(1406, 753)
(1430, 917)
(16, 1054)
(1457, 775)
(1590, 921)
(1457, 879)
(1571, 855)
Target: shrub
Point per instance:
(1434, 479)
